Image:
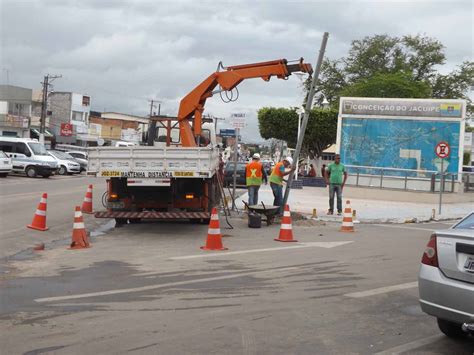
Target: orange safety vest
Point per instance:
(253, 173)
(277, 175)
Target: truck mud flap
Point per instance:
(153, 215)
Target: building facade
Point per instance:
(69, 119)
(15, 111)
(116, 126)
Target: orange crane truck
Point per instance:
(176, 175)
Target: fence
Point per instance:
(468, 180)
(405, 179)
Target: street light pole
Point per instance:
(309, 104)
(300, 116)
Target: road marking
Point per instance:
(412, 345)
(298, 246)
(402, 227)
(378, 291)
(155, 287)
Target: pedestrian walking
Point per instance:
(276, 179)
(254, 175)
(335, 176)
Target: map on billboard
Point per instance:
(399, 144)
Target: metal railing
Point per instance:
(468, 180)
(403, 177)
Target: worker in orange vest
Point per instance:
(276, 179)
(254, 175)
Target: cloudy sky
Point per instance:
(125, 52)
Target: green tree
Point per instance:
(388, 85)
(282, 123)
(415, 58)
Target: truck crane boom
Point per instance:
(192, 105)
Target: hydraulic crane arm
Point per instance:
(192, 105)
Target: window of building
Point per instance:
(9, 134)
(18, 109)
(77, 116)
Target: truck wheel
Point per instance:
(31, 172)
(62, 170)
(119, 222)
(451, 329)
(199, 220)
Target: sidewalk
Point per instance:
(374, 205)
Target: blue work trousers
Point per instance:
(335, 189)
(253, 194)
(277, 194)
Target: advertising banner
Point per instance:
(66, 130)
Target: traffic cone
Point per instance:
(79, 234)
(87, 204)
(286, 231)
(39, 219)
(214, 236)
(347, 222)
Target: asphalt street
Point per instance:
(149, 289)
(20, 197)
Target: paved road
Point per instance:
(20, 197)
(149, 289)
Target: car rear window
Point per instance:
(466, 223)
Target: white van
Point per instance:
(29, 156)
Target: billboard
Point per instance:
(400, 134)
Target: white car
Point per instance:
(28, 156)
(80, 157)
(5, 164)
(66, 165)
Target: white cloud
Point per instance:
(125, 52)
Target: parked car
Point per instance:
(446, 278)
(28, 156)
(67, 164)
(5, 164)
(240, 174)
(80, 157)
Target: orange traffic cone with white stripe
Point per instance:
(347, 222)
(39, 219)
(286, 230)
(87, 204)
(214, 236)
(79, 234)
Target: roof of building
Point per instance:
(124, 117)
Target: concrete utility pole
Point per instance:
(309, 104)
(44, 104)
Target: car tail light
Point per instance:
(430, 256)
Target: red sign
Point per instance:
(442, 150)
(66, 129)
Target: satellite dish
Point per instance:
(100, 142)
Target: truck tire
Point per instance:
(119, 222)
(31, 172)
